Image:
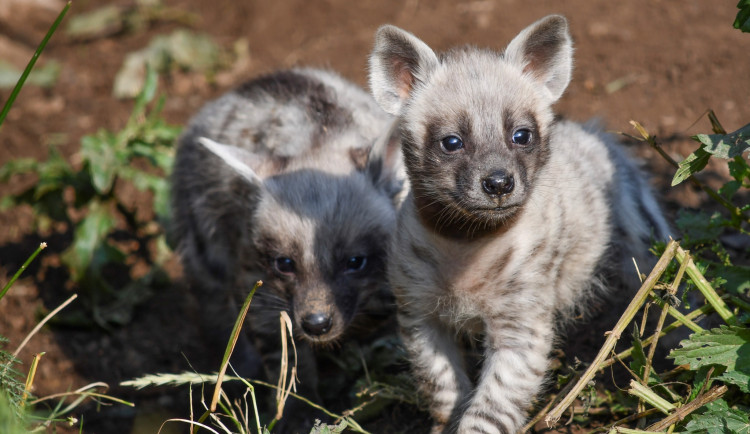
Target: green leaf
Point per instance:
(148, 91)
(639, 357)
(699, 228)
(90, 234)
(100, 155)
(724, 346)
(719, 422)
(694, 163)
(742, 21)
(322, 428)
(14, 167)
(736, 278)
(738, 378)
(739, 169)
(726, 145)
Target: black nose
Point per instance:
(316, 324)
(498, 183)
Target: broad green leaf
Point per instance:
(726, 145)
(694, 163)
(102, 161)
(736, 278)
(719, 422)
(738, 378)
(739, 169)
(725, 346)
(699, 228)
(90, 234)
(742, 21)
(728, 190)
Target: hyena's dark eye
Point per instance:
(451, 144)
(356, 263)
(284, 265)
(521, 137)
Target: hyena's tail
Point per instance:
(638, 218)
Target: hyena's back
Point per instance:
(286, 121)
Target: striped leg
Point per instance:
(512, 374)
(438, 365)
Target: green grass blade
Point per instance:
(20, 270)
(30, 66)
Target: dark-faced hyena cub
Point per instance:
(290, 179)
(509, 218)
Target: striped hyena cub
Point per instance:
(290, 179)
(511, 218)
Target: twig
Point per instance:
(644, 393)
(543, 412)
(626, 353)
(43, 322)
(630, 418)
(705, 288)
(614, 335)
(676, 314)
(662, 317)
(714, 393)
(651, 140)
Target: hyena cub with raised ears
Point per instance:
(509, 219)
(290, 179)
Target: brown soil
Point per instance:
(673, 61)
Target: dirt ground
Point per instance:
(660, 62)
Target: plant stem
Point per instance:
(614, 335)
(232, 342)
(626, 353)
(30, 65)
(646, 394)
(15, 277)
(228, 352)
(676, 314)
(651, 140)
(714, 393)
(43, 322)
(663, 316)
(705, 288)
(30, 377)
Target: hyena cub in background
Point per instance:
(289, 179)
(511, 220)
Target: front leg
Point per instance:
(515, 363)
(437, 363)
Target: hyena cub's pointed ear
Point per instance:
(399, 61)
(545, 50)
(236, 158)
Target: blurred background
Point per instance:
(662, 63)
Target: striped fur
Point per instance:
(499, 238)
(290, 179)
